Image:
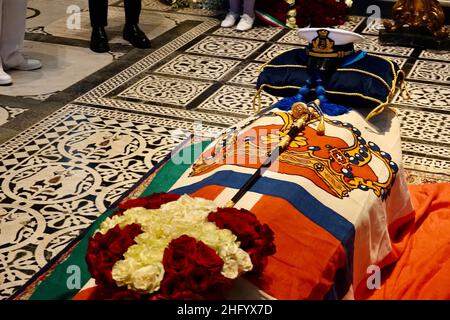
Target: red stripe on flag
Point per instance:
(307, 256)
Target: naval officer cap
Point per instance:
(329, 42)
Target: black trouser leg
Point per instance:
(98, 12)
(132, 11)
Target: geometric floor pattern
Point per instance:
(66, 156)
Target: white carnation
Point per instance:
(230, 268)
(122, 270)
(245, 262)
(148, 278)
(236, 261)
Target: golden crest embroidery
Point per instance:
(322, 43)
(329, 162)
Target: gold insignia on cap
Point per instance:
(322, 43)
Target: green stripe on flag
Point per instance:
(269, 19)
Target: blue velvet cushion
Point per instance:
(363, 79)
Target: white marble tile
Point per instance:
(435, 55)
(226, 47)
(152, 23)
(373, 26)
(426, 126)
(292, 38)
(237, 100)
(372, 44)
(248, 75)
(8, 113)
(62, 66)
(165, 90)
(352, 23)
(150, 60)
(60, 175)
(256, 33)
(200, 12)
(435, 71)
(45, 12)
(153, 5)
(195, 66)
(275, 50)
(425, 95)
(400, 61)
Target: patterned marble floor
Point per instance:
(67, 155)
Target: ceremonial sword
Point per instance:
(303, 114)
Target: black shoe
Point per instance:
(99, 40)
(136, 37)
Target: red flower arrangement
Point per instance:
(102, 253)
(154, 201)
(321, 13)
(256, 239)
(192, 269)
(313, 13)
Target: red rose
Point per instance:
(199, 279)
(239, 222)
(104, 277)
(154, 201)
(126, 295)
(105, 257)
(192, 271)
(104, 250)
(115, 293)
(101, 293)
(133, 203)
(179, 255)
(156, 296)
(173, 283)
(208, 258)
(320, 13)
(256, 239)
(132, 230)
(117, 246)
(187, 295)
(219, 285)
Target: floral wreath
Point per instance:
(167, 246)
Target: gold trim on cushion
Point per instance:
(369, 74)
(398, 81)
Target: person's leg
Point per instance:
(236, 6)
(249, 8)
(5, 79)
(248, 16)
(131, 31)
(12, 32)
(233, 14)
(98, 12)
(132, 11)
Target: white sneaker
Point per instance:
(230, 20)
(5, 79)
(246, 23)
(28, 65)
